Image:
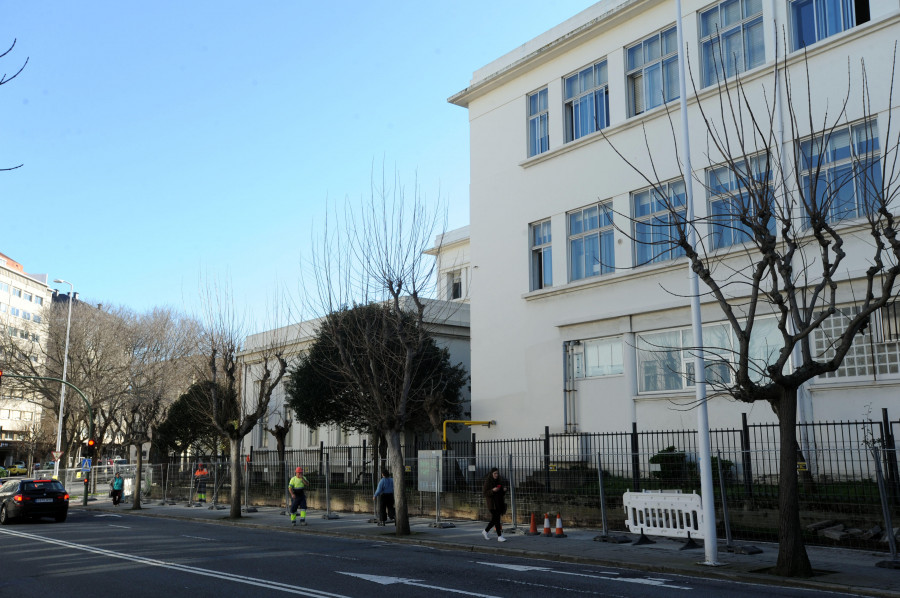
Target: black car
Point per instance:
(27, 497)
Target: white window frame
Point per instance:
(586, 101)
(586, 225)
(840, 165)
(726, 194)
(656, 221)
(825, 24)
(656, 54)
(582, 355)
(541, 258)
(538, 110)
(738, 33)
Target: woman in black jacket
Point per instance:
(495, 497)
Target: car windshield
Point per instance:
(42, 485)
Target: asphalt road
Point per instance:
(97, 554)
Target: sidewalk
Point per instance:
(839, 570)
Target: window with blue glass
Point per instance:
(731, 39)
(538, 123)
(541, 255)
(841, 174)
(591, 248)
(814, 20)
(738, 191)
(652, 71)
(587, 101)
(657, 214)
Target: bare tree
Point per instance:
(797, 225)
(160, 346)
(231, 413)
(376, 255)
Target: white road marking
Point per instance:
(198, 538)
(122, 526)
(650, 581)
(107, 515)
(221, 575)
(385, 580)
(605, 594)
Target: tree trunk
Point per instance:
(792, 558)
(395, 458)
(136, 490)
(235, 465)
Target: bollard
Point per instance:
(437, 496)
(328, 514)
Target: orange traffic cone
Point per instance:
(546, 533)
(533, 530)
(559, 530)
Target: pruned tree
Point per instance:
(231, 413)
(186, 426)
(374, 262)
(796, 225)
(160, 346)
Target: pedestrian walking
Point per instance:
(201, 475)
(495, 498)
(384, 494)
(297, 487)
(117, 484)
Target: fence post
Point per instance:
(547, 458)
(512, 494)
(725, 519)
(635, 459)
(746, 459)
(328, 514)
(437, 493)
(190, 502)
(891, 450)
(886, 511)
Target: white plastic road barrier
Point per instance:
(668, 514)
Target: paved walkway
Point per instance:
(843, 570)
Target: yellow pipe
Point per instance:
(464, 422)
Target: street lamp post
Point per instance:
(62, 390)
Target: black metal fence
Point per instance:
(836, 468)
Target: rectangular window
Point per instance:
(27, 296)
(599, 357)
(665, 359)
(312, 436)
(454, 285)
(657, 215)
(735, 194)
(875, 352)
(538, 123)
(814, 20)
(591, 249)
(541, 256)
(841, 174)
(37, 319)
(14, 311)
(652, 71)
(4, 287)
(3, 308)
(731, 39)
(39, 300)
(17, 292)
(26, 315)
(587, 101)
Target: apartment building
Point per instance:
(23, 298)
(572, 302)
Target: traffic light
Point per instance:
(1, 377)
(91, 447)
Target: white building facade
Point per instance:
(23, 298)
(569, 311)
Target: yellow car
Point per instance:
(16, 469)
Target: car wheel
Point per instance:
(61, 518)
(4, 516)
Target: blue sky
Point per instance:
(166, 143)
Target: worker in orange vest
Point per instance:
(201, 475)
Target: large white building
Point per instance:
(448, 322)
(569, 312)
(23, 298)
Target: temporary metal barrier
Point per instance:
(662, 513)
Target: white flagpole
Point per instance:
(710, 540)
